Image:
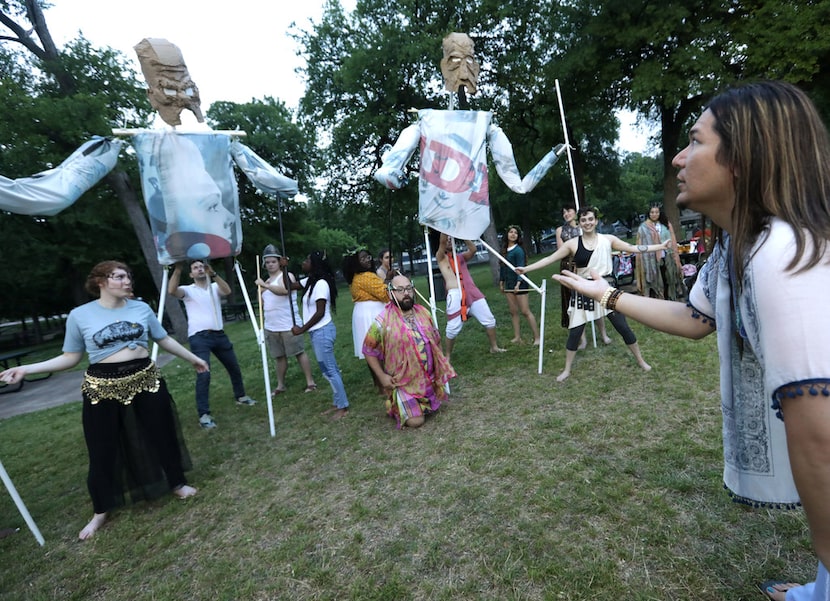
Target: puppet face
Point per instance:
(170, 88)
(459, 66)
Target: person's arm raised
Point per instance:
(670, 317)
(64, 361)
(566, 250)
(471, 250)
(618, 244)
(174, 283)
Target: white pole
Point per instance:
(21, 507)
(162, 297)
(541, 291)
(261, 341)
(573, 175)
(567, 143)
(432, 302)
(542, 325)
(490, 249)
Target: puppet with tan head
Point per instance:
(171, 89)
(459, 66)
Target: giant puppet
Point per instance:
(453, 187)
(187, 178)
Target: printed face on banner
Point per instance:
(191, 196)
(170, 88)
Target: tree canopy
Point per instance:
(365, 71)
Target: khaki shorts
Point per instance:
(284, 344)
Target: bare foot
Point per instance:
(583, 343)
(606, 340)
(331, 409)
(645, 366)
(497, 349)
(537, 342)
(777, 591)
(95, 523)
(516, 341)
(563, 376)
(340, 414)
(184, 491)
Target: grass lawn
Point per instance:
(607, 486)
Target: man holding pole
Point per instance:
(205, 332)
(279, 304)
(463, 296)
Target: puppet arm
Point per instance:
(502, 152)
(261, 174)
(391, 174)
(50, 192)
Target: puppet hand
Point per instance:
(394, 179)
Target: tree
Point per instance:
(665, 60)
(77, 92)
(367, 69)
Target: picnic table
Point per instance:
(16, 356)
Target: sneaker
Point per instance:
(245, 400)
(206, 421)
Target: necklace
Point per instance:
(589, 243)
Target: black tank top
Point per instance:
(583, 255)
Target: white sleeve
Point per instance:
(785, 313)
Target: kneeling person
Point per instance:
(403, 349)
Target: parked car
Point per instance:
(620, 230)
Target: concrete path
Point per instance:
(61, 387)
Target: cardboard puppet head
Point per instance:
(170, 88)
(459, 66)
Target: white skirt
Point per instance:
(363, 315)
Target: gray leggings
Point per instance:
(617, 320)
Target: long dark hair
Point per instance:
(351, 266)
(520, 241)
(771, 135)
(319, 269)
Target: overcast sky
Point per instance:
(237, 52)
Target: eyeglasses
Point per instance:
(401, 289)
(120, 277)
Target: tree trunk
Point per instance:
(120, 183)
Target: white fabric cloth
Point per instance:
(601, 261)
(813, 591)
(319, 291)
(50, 192)
(785, 324)
(203, 306)
(277, 308)
(363, 315)
(454, 195)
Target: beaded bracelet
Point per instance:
(606, 295)
(612, 300)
